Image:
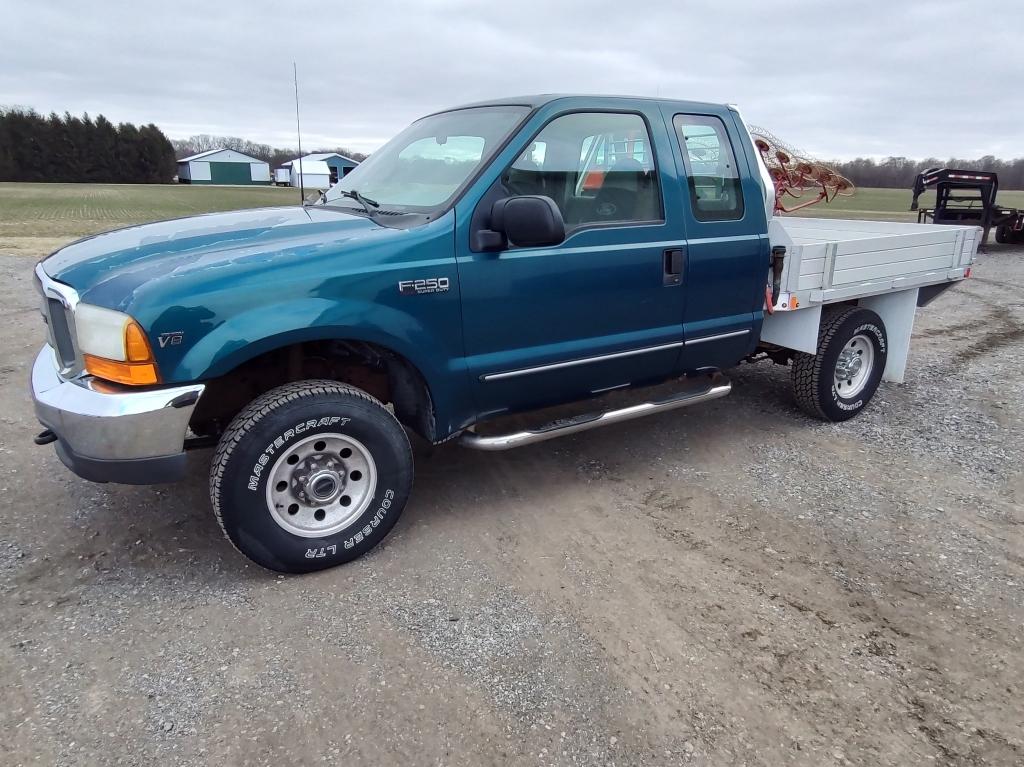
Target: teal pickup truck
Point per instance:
(492, 259)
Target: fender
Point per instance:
(262, 329)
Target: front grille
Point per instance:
(58, 309)
(60, 332)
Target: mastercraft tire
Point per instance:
(839, 381)
(310, 475)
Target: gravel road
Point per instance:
(733, 584)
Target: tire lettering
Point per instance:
(279, 442)
(322, 552)
(385, 504)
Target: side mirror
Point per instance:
(528, 221)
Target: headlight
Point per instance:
(114, 347)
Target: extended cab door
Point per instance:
(599, 311)
(727, 242)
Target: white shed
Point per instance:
(316, 174)
(223, 166)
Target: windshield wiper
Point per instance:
(366, 202)
(370, 206)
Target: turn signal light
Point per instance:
(136, 347)
(130, 373)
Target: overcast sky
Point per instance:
(837, 79)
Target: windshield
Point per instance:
(423, 167)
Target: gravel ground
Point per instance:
(731, 584)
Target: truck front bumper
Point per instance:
(111, 433)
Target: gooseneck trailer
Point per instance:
(968, 197)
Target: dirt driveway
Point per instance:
(732, 584)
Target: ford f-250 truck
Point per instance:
(492, 259)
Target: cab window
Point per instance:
(715, 193)
(598, 167)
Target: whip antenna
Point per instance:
(298, 133)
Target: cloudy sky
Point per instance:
(837, 78)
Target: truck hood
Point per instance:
(111, 266)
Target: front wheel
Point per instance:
(310, 475)
(839, 381)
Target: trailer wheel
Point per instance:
(839, 381)
(310, 475)
(1006, 234)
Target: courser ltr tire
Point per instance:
(814, 375)
(261, 443)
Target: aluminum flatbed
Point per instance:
(888, 267)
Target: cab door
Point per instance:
(602, 309)
(727, 242)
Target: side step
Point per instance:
(717, 386)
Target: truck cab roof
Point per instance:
(536, 101)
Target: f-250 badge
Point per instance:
(419, 287)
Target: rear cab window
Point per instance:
(710, 163)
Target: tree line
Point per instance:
(900, 172)
(69, 149)
(66, 148)
(272, 155)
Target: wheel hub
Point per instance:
(321, 485)
(319, 479)
(854, 366)
(849, 364)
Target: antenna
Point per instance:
(298, 133)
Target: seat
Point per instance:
(626, 194)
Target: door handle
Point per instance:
(673, 266)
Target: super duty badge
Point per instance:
(428, 285)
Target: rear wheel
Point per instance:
(310, 475)
(1003, 233)
(838, 382)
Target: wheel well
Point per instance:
(375, 369)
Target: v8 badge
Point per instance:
(170, 339)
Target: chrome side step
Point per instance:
(717, 386)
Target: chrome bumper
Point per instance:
(111, 433)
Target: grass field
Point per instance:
(884, 204)
(36, 219)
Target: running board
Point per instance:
(717, 386)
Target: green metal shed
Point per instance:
(223, 166)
